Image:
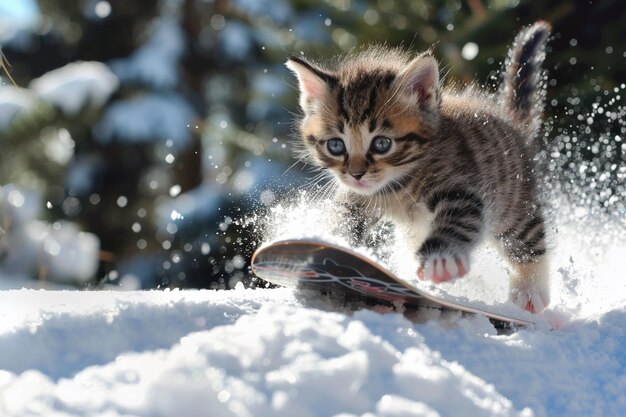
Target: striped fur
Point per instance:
(522, 87)
(457, 170)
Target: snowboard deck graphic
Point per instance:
(329, 268)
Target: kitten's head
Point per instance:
(370, 119)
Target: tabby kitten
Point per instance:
(449, 166)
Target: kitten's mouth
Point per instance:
(362, 186)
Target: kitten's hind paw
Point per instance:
(443, 267)
(533, 300)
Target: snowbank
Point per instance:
(262, 353)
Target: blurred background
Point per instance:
(139, 138)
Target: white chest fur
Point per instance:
(411, 219)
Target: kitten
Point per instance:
(449, 166)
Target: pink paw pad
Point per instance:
(532, 300)
(441, 268)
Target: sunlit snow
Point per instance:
(148, 118)
(76, 85)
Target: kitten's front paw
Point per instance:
(533, 300)
(442, 267)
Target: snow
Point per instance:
(76, 85)
(148, 117)
(57, 251)
(156, 62)
(15, 102)
(582, 273)
(263, 352)
(18, 206)
(71, 88)
(238, 353)
(276, 353)
(273, 352)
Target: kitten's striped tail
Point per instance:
(523, 90)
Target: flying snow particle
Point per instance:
(16, 198)
(469, 51)
(267, 196)
(175, 190)
(103, 9)
(217, 22)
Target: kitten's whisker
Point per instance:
(321, 191)
(318, 179)
(313, 184)
(294, 164)
(328, 190)
(332, 190)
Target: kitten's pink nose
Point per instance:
(357, 175)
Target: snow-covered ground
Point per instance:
(263, 353)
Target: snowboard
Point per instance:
(332, 269)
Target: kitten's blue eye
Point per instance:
(381, 144)
(336, 146)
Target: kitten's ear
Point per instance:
(313, 82)
(420, 78)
